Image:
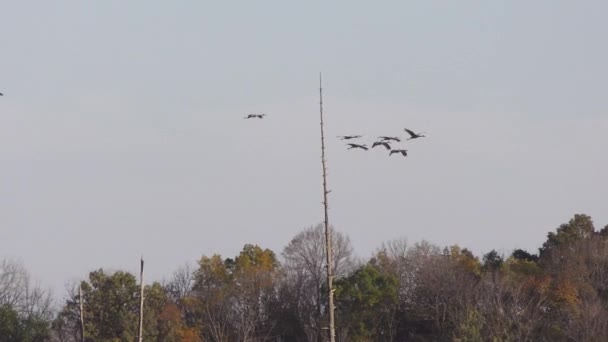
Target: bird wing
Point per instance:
(388, 147)
(410, 132)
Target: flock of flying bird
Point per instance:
(384, 141)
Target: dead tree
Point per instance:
(330, 289)
(141, 301)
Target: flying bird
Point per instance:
(348, 137)
(403, 152)
(413, 135)
(390, 139)
(251, 116)
(363, 147)
(383, 143)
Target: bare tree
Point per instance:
(18, 292)
(180, 285)
(304, 266)
(140, 333)
(328, 237)
(81, 309)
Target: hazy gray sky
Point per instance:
(121, 128)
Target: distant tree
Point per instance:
(407, 265)
(234, 297)
(575, 259)
(367, 305)
(520, 254)
(304, 286)
(18, 292)
(10, 325)
(111, 310)
(492, 261)
(445, 294)
(580, 227)
(256, 276)
(180, 285)
(25, 309)
(180, 289)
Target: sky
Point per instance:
(122, 131)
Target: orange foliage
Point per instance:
(565, 292)
(170, 313)
(190, 335)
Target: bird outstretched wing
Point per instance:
(410, 132)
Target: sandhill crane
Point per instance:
(363, 147)
(348, 137)
(403, 152)
(251, 116)
(390, 139)
(414, 135)
(383, 143)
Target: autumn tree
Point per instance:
(234, 296)
(213, 297)
(575, 257)
(255, 279)
(111, 310)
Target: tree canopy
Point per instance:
(416, 292)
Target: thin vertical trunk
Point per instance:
(328, 245)
(81, 312)
(141, 301)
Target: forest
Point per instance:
(404, 292)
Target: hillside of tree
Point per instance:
(404, 292)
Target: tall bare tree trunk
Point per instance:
(141, 301)
(81, 311)
(330, 289)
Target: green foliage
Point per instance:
(465, 259)
(10, 325)
(520, 254)
(492, 261)
(580, 227)
(401, 294)
(14, 328)
(367, 302)
(470, 329)
(111, 305)
(233, 297)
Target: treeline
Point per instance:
(402, 293)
